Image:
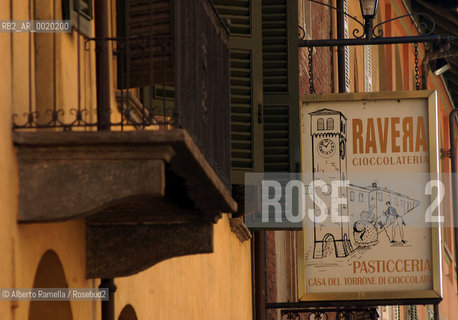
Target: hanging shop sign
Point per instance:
(372, 197)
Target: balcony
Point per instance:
(148, 165)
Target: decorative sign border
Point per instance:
(381, 297)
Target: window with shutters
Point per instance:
(264, 85)
(241, 106)
(144, 59)
(264, 52)
(145, 56)
(246, 81)
(172, 70)
(80, 12)
(280, 84)
(239, 14)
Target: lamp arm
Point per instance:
(379, 33)
(301, 32)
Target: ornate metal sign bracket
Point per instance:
(373, 35)
(367, 34)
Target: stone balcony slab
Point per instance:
(148, 192)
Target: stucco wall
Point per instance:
(216, 285)
(209, 286)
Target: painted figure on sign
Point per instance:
(364, 230)
(394, 221)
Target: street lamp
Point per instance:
(369, 11)
(369, 8)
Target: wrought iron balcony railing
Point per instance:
(168, 67)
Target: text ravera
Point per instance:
(389, 135)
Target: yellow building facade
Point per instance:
(42, 70)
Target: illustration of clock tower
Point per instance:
(329, 143)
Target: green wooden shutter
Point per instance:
(140, 60)
(140, 19)
(265, 122)
(246, 85)
(280, 85)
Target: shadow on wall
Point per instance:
(128, 313)
(50, 274)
